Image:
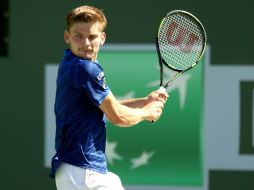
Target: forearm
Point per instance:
(134, 103)
(127, 117)
(130, 112)
(124, 115)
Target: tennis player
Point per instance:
(83, 101)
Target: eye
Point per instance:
(77, 36)
(92, 37)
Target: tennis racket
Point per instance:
(180, 44)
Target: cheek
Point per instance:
(97, 42)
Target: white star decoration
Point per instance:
(141, 160)
(111, 153)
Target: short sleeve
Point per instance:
(90, 76)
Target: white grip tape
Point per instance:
(162, 89)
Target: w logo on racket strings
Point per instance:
(181, 38)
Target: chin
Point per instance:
(85, 56)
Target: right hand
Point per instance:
(154, 110)
(155, 103)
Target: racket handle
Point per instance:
(161, 89)
(152, 121)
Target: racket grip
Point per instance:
(162, 89)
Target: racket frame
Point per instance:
(163, 62)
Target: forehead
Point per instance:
(86, 27)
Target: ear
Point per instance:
(66, 36)
(103, 38)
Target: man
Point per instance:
(83, 101)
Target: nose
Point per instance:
(86, 41)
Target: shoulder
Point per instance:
(85, 70)
(88, 66)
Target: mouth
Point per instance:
(85, 51)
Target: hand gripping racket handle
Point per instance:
(161, 89)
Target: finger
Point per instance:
(163, 100)
(163, 94)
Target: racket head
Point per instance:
(181, 40)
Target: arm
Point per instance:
(134, 103)
(141, 102)
(130, 112)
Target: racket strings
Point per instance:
(180, 41)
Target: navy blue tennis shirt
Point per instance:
(80, 124)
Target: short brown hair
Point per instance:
(86, 14)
